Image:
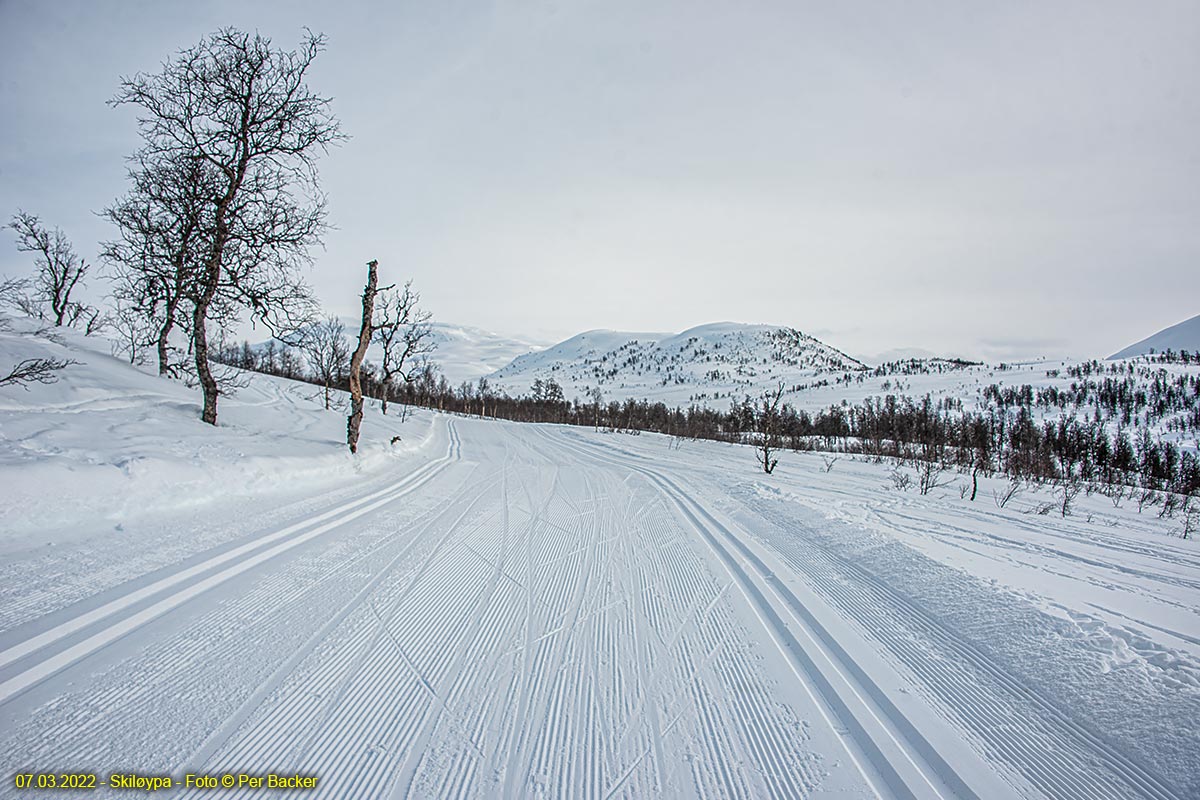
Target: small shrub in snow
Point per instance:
(1002, 496)
(1070, 490)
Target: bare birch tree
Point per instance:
(324, 346)
(58, 269)
(403, 332)
(768, 430)
(163, 237)
(242, 108)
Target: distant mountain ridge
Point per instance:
(706, 362)
(463, 353)
(1183, 336)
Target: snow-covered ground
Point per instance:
(109, 443)
(489, 609)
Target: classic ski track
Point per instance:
(298, 705)
(194, 582)
(864, 748)
(661, 582)
(1059, 775)
(165, 670)
(574, 645)
(1175, 559)
(1035, 753)
(909, 523)
(333, 697)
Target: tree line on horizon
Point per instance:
(1027, 435)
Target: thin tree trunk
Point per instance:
(164, 335)
(212, 281)
(383, 396)
(207, 382)
(354, 421)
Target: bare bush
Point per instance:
(930, 476)
(1115, 492)
(1170, 504)
(1003, 496)
(1044, 509)
(768, 426)
(1191, 516)
(1070, 490)
(324, 346)
(35, 370)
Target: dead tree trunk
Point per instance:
(354, 422)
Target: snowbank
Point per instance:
(109, 442)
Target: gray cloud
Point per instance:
(913, 175)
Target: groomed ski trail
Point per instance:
(534, 612)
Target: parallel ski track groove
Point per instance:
(1057, 765)
(756, 586)
(1067, 775)
(187, 584)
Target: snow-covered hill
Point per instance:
(467, 354)
(709, 362)
(1184, 336)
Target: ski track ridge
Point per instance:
(191, 582)
(1057, 773)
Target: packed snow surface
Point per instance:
(488, 609)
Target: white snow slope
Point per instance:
(462, 353)
(705, 363)
(503, 610)
(467, 354)
(1183, 336)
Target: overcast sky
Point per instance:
(985, 179)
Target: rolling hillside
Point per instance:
(708, 362)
